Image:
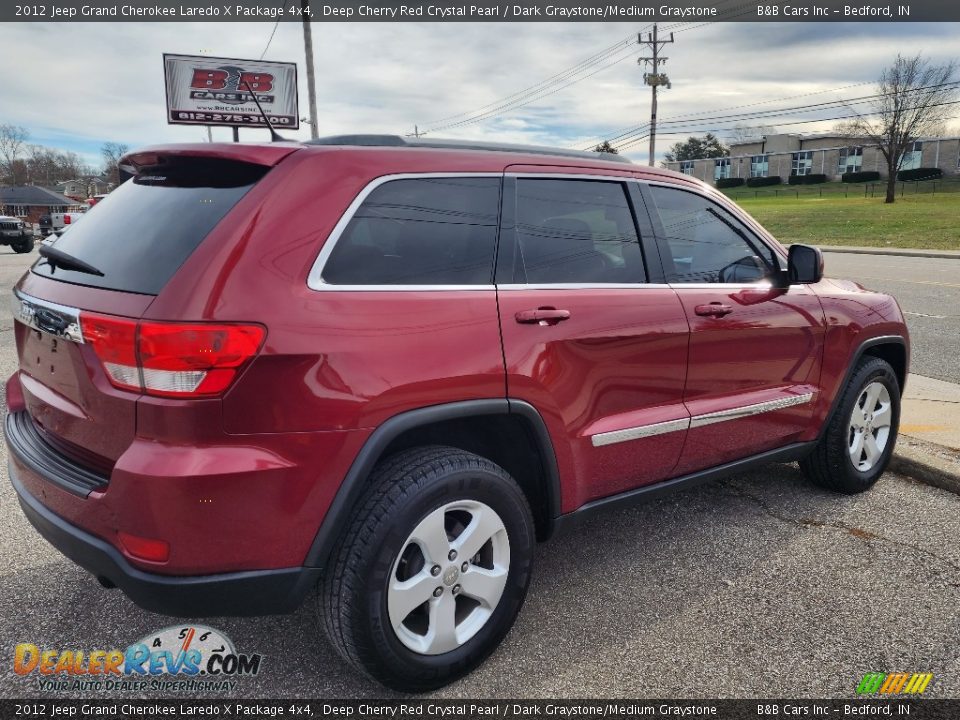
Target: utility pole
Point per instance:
(654, 79)
(311, 80)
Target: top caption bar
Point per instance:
(482, 11)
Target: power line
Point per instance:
(557, 82)
(274, 31)
(768, 114)
(599, 56)
(634, 141)
(616, 134)
(534, 95)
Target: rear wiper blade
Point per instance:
(58, 258)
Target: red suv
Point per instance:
(388, 367)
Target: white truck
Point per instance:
(57, 222)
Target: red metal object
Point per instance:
(242, 480)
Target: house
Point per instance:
(84, 187)
(30, 202)
(829, 154)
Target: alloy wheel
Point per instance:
(448, 577)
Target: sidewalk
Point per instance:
(899, 252)
(929, 445)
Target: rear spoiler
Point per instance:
(156, 156)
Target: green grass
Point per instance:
(914, 221)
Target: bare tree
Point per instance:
(914, 100)
(112, 152)
(12, 140)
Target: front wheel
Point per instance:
(23, 245)
(431, 573)
(857, 445)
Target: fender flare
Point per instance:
(354, 483)
(851, 366)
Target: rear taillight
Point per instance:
(171, 359)
(66, 220)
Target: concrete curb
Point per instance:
(898, 252)
(928, 463)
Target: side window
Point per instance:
(576, 231)
(429, 231)
(706, 244)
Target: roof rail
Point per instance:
(449, 144)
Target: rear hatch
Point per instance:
(77, 308)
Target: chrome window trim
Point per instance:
(513, 287)
(570, 176)
(315, 279)
(645, 431)
(24, 309)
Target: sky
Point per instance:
(79, 85)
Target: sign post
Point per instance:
(203, 90)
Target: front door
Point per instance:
(587, 339)
(755, 346)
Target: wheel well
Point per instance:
(507, 440)
(896, 355)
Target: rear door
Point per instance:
(123, 253)
(590, 337)
(755, 347)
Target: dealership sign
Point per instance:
(204, 90)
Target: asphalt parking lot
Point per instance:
(756, 586)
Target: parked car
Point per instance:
(56, 223)
(16, 233)
(387, 368)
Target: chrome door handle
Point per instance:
(542, 316)
(717, 310)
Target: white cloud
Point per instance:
(92, 82)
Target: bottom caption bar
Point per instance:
(361, 710)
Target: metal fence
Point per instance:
(847, 190)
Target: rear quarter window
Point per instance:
(142, 232)
(429, 231)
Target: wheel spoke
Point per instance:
(407, 595)
(484, 585)
(883, 417)
(871, 449)
(856, 447)
(431, 536)
(442, 634)
(873, 394)
(859, 418)
(483, 525)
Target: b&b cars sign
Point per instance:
(204, 90)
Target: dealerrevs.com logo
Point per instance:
(176, 659)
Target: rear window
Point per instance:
(142, 232)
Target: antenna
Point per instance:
(274, 135)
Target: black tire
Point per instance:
(405, 489)
(24, 245)
(829, 465)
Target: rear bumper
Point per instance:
(261, 592)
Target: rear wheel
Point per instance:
(857, 445)
(24, 245)
(432, 571)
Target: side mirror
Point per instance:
(804, 265)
